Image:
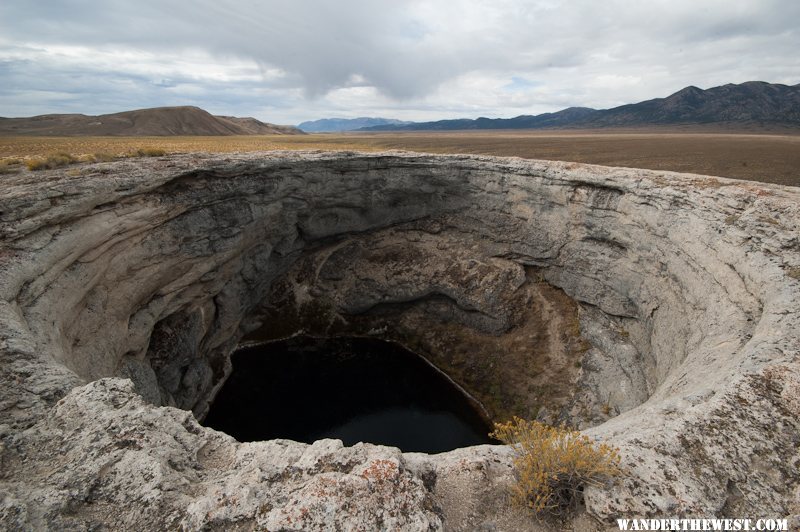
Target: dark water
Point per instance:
(353, 389)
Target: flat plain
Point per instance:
(772, 158)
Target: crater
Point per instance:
(351, 389)
(654, 310)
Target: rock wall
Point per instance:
(688, 291)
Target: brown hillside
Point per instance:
(252, 126)
(160, 121)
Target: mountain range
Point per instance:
(754, 105)
(327, 125)
(159, 121)
(750, 105)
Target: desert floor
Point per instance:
(773, 158)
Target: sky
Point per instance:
(289, 61)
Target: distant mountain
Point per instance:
(326, 125)
(750, 105)
(160, 121)
(560, 119)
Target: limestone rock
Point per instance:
(685, 290)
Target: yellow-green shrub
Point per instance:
(553, 464)
(55, 160)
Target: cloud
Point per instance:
(306, 59)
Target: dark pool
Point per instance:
(353, 389)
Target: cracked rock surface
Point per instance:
(658, 311)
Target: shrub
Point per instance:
(10, 165)
(553, 464)
(149, 152)
(55, 160)
(102, 157)
(36, 164)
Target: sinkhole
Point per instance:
(353, 389)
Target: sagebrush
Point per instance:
(149, 152)
(61, 159)
(55, 160)
(553, 464)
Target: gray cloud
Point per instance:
(411, 58)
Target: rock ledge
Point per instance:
(125, 286)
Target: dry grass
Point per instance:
(122, 146)
(768, 158)
(62, 158)
(553, 464)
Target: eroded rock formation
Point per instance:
(659, 311)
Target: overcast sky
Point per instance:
(292, 60)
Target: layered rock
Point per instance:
(677, 295)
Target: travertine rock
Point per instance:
(153, 270)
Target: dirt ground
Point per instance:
(772, 158)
